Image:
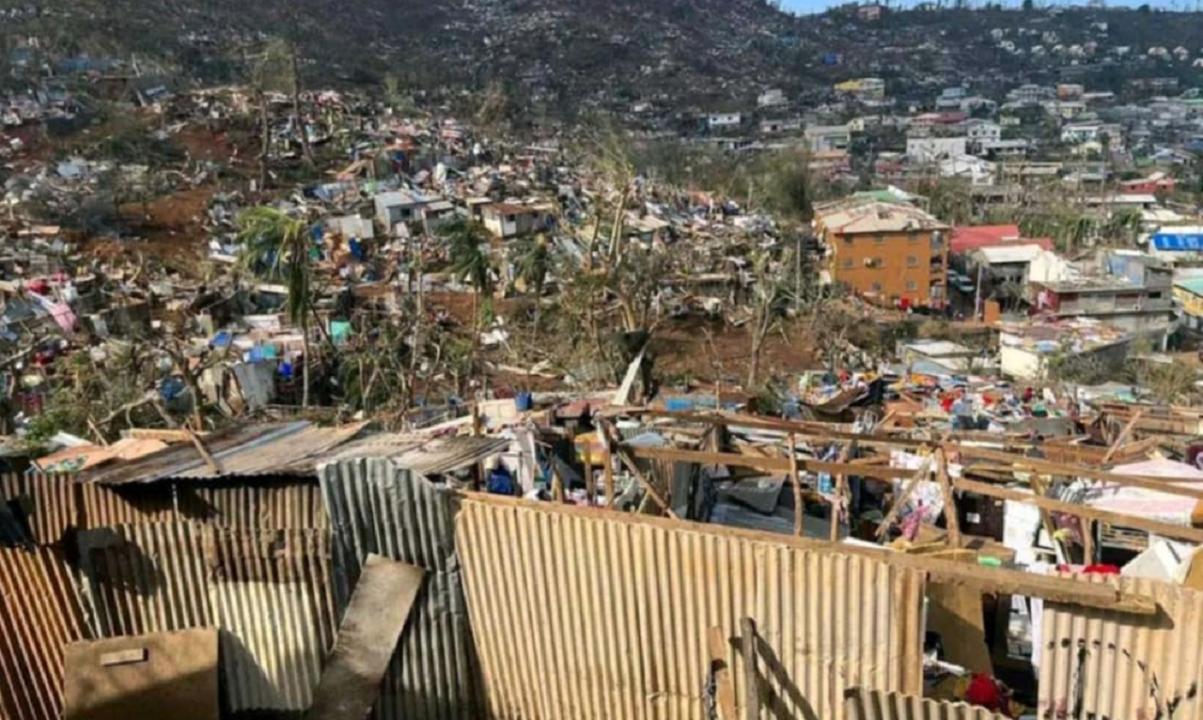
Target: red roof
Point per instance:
(965, 239)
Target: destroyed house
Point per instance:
(777, 625)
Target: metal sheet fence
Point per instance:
(582, 614)
(862, 704)
(53, 504)
(40, 611)
(271, 594)
(145, 578)
(377, 507)
(1100, 664)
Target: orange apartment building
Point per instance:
(890, 253)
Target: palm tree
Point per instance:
(274, 246)
(468, 245)
(1124, 226)
(532, 260)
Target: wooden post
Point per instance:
(1123, 435)
(608, 471)
(590, 483)
(907, 489)
(724, 688)
(799, 501)
(557, 485)
(950, 501)
(747, 629)
(841, 490)
(647, 485)
(1088, 548)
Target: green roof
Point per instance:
(1192, 285)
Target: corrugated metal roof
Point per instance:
(650, 590)
(40, 611)
(864, 704)
(377, 507)
(293, 448)
(424, 456)
(1100, 664)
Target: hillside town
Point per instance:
(872, 399)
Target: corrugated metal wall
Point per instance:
(54, 503)
(47, 503)
(616, 611)
(862, 704)
(40, 611)
(377, 507)
(147, 578)
(284, 504)
(1106, 665)
(271, 594)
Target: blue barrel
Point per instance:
(523, 401)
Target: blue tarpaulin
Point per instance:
(1178, 241)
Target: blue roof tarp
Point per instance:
(1178, 241)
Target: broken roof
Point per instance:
(873, 216)
(292, 448)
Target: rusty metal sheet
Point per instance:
(863, 704)
(40, 611)
(46, 503)
(1096, 663)
(271, 594)
(287, 504)
(617, 608)
(367, 638)
(146, 578)
(293, 448)
(376, 507)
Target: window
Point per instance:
(876, 287)
(847, 263)
(912, 236)
(1155, 296)
(879, 238)
(912, 286)
(912, 261)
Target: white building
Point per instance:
(720, 121)
(968, 167)
(932, 149)
(983, 131)
(771, 98)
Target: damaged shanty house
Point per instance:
(269, 534)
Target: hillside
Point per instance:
(564, 56)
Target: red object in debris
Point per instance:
(38, 286)
(983, 691)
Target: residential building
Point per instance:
(932, 149)
(983, 131)
(1177, 244)
(724, 121)
(781, 125)
(507, 220)
(771, 98)
(1154, 182)
(821, 138)
(870, 89)
(1135, 296)
(892, 253)
(968, 167)
(1030, 351)
(394, 208)
(1188, 303)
